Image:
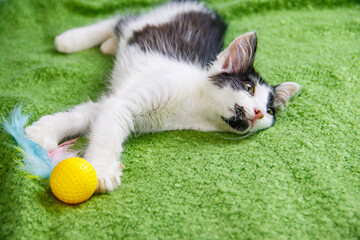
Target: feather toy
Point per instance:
(35, 159)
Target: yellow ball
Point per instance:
(73, 180)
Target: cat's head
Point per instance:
(241, 98)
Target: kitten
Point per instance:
(169, 74)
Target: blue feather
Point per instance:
(35, 159)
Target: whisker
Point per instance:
(237, 138)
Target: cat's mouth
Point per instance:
(238, 123)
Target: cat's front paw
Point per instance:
(39, 134)
(108, 176)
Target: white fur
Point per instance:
(148, 93)
(85, 37)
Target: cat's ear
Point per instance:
(283, 93)
(239, 56)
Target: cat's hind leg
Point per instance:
(78, 39)
(49, 130)
(109, 46)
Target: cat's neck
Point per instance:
(198, 102)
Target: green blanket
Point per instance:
(297, 180)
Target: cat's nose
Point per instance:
(258, 114)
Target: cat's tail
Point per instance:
(35, 159)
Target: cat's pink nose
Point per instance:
(258, 114)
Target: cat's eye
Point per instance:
(270, 111)
(249, 88)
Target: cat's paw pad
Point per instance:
(68, 42)
(108, 176)
(38, 134)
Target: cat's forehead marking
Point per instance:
(236, 81)
(257, 79)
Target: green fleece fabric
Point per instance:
(299, 179)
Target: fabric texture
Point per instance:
(299, 179)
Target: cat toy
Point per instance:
(72, 179)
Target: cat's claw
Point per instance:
(108, 177)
